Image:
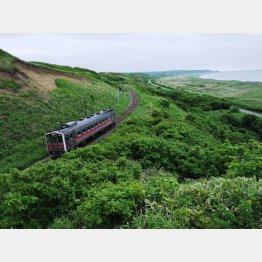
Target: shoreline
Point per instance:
(242, 76)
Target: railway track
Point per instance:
(132, 105)
(120, 118)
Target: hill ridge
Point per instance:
(26, 75)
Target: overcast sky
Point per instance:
(139, 52)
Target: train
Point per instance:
(76, 133)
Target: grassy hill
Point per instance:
(35, 98)
(7, 62)
(181, 160)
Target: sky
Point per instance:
(139, 52)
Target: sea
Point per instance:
(253, 76)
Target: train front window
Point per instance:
(54, 138)
(50, 138)
(59, 139)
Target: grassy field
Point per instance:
(245, 94)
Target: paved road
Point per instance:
(250, 112)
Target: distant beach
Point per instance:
(253, 76)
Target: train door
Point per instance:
(54, 143)
(70, 140)
(73, 136)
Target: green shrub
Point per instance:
(9, 84)
(110, 205)
(218, 203)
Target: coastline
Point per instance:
(243, 76)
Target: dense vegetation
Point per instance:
(177, 162)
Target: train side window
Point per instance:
(67, 137)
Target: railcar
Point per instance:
(75, 133)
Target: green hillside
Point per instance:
(26, 114)
(180, 160)
(7, 62)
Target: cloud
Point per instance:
(139, 52)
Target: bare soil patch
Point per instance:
(44, 80)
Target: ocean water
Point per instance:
(254, 76)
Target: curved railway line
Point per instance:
(120, 118)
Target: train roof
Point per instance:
(82, 121)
